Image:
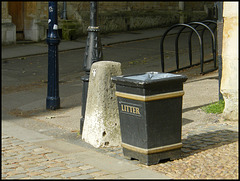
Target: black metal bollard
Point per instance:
(93, 53)
(53, 39)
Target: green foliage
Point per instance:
(215, 108)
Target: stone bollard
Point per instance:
(101, 125)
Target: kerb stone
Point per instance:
(101, 124)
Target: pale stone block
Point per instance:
(230, 73)
(8, 33)
(35, 35)
(230, 111)
(230, 37)
(7, 20)
(230, 9)
(28, 34)
(101, 124)
(230, 59)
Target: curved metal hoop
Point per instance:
(207, 22)
(200, 38)
(164, 35)
(213, 41)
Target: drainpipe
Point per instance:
(181, 11)
(219, 16)
(64, 10)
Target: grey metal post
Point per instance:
(93, 53)
(181, 12)
(64, 10)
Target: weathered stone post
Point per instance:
(101, 125)
(93, 53)
(229, 82)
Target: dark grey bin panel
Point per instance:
(150, 111)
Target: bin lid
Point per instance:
(148, 78)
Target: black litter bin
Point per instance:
(150, 111)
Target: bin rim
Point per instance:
(123, 80)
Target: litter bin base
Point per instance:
(152, 159)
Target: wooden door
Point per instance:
(15, 9)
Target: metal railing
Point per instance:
(193, 29)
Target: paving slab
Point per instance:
(136, 174)
(60, 146)
(28, 135)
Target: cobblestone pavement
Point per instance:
(210, 149)
(215, 163)
(23, 160)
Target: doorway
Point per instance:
(16, 10)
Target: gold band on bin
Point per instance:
(152, 150)
(151, 97)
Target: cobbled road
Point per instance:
(23, 160)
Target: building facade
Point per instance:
(27, 20)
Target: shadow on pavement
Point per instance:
(197, 143)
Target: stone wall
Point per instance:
(230, 60)
(113, 16)
(117, 16)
